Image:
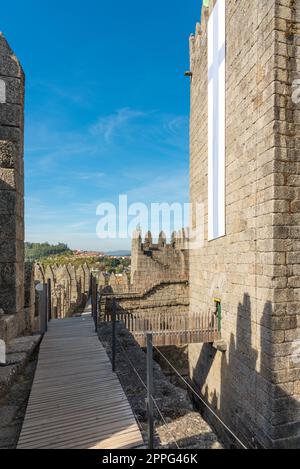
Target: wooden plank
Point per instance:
(76, 401)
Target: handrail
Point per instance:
(169, 328)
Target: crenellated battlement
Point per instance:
(162, 261)
(200, 35)
(70, 286)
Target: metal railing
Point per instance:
(151, 402)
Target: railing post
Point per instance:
(91, 285)
(45, 305)
(99, 306)
(92, 294)
(150, 390)
(219, 314)
(94, 301)
(46, 312)
(96, 307)
(114, 336)
(49, 298)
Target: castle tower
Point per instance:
(244, 135)
(11, 191)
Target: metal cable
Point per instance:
(165, 423)
(200, 398)
(153, 399)
(138, 375)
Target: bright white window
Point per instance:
(2, 92)
(216, 121)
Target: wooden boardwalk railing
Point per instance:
(169, 328)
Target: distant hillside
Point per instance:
(118, 253)
(37, 251)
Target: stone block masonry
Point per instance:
(70, 287)
(159, 280)
(165, 297)
(11, 193)
(254, 269)
(159, 277)
(162, 261)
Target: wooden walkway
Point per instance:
(76, 401)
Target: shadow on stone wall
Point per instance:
(256, 405)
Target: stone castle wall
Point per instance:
(12, 80)
(159, 299)
(70, 287)
(159, 277)
(254, 269)
(153, 263)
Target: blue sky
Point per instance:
(107, 108)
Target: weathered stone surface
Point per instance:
(11, 188)
(26, 344)
(8, 250)
(10, 115)
(9, 64)
(9, 179)
(220, 345)
(11, 227)
(13, 406)
(7, 375)
(8, 203)
(19, 352)
(9, 275)
(8, 154)
(13, 90)
(8, 327)
(6, 436)
(15, 358)
(13, 135)
(10, 304)
(7, 414)
(2, 91)
(11, 279)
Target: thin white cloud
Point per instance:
(162, 188)
(87, 176)
(108, 126)
(122, 134)
(82, 224)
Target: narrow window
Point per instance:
(216, 121)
